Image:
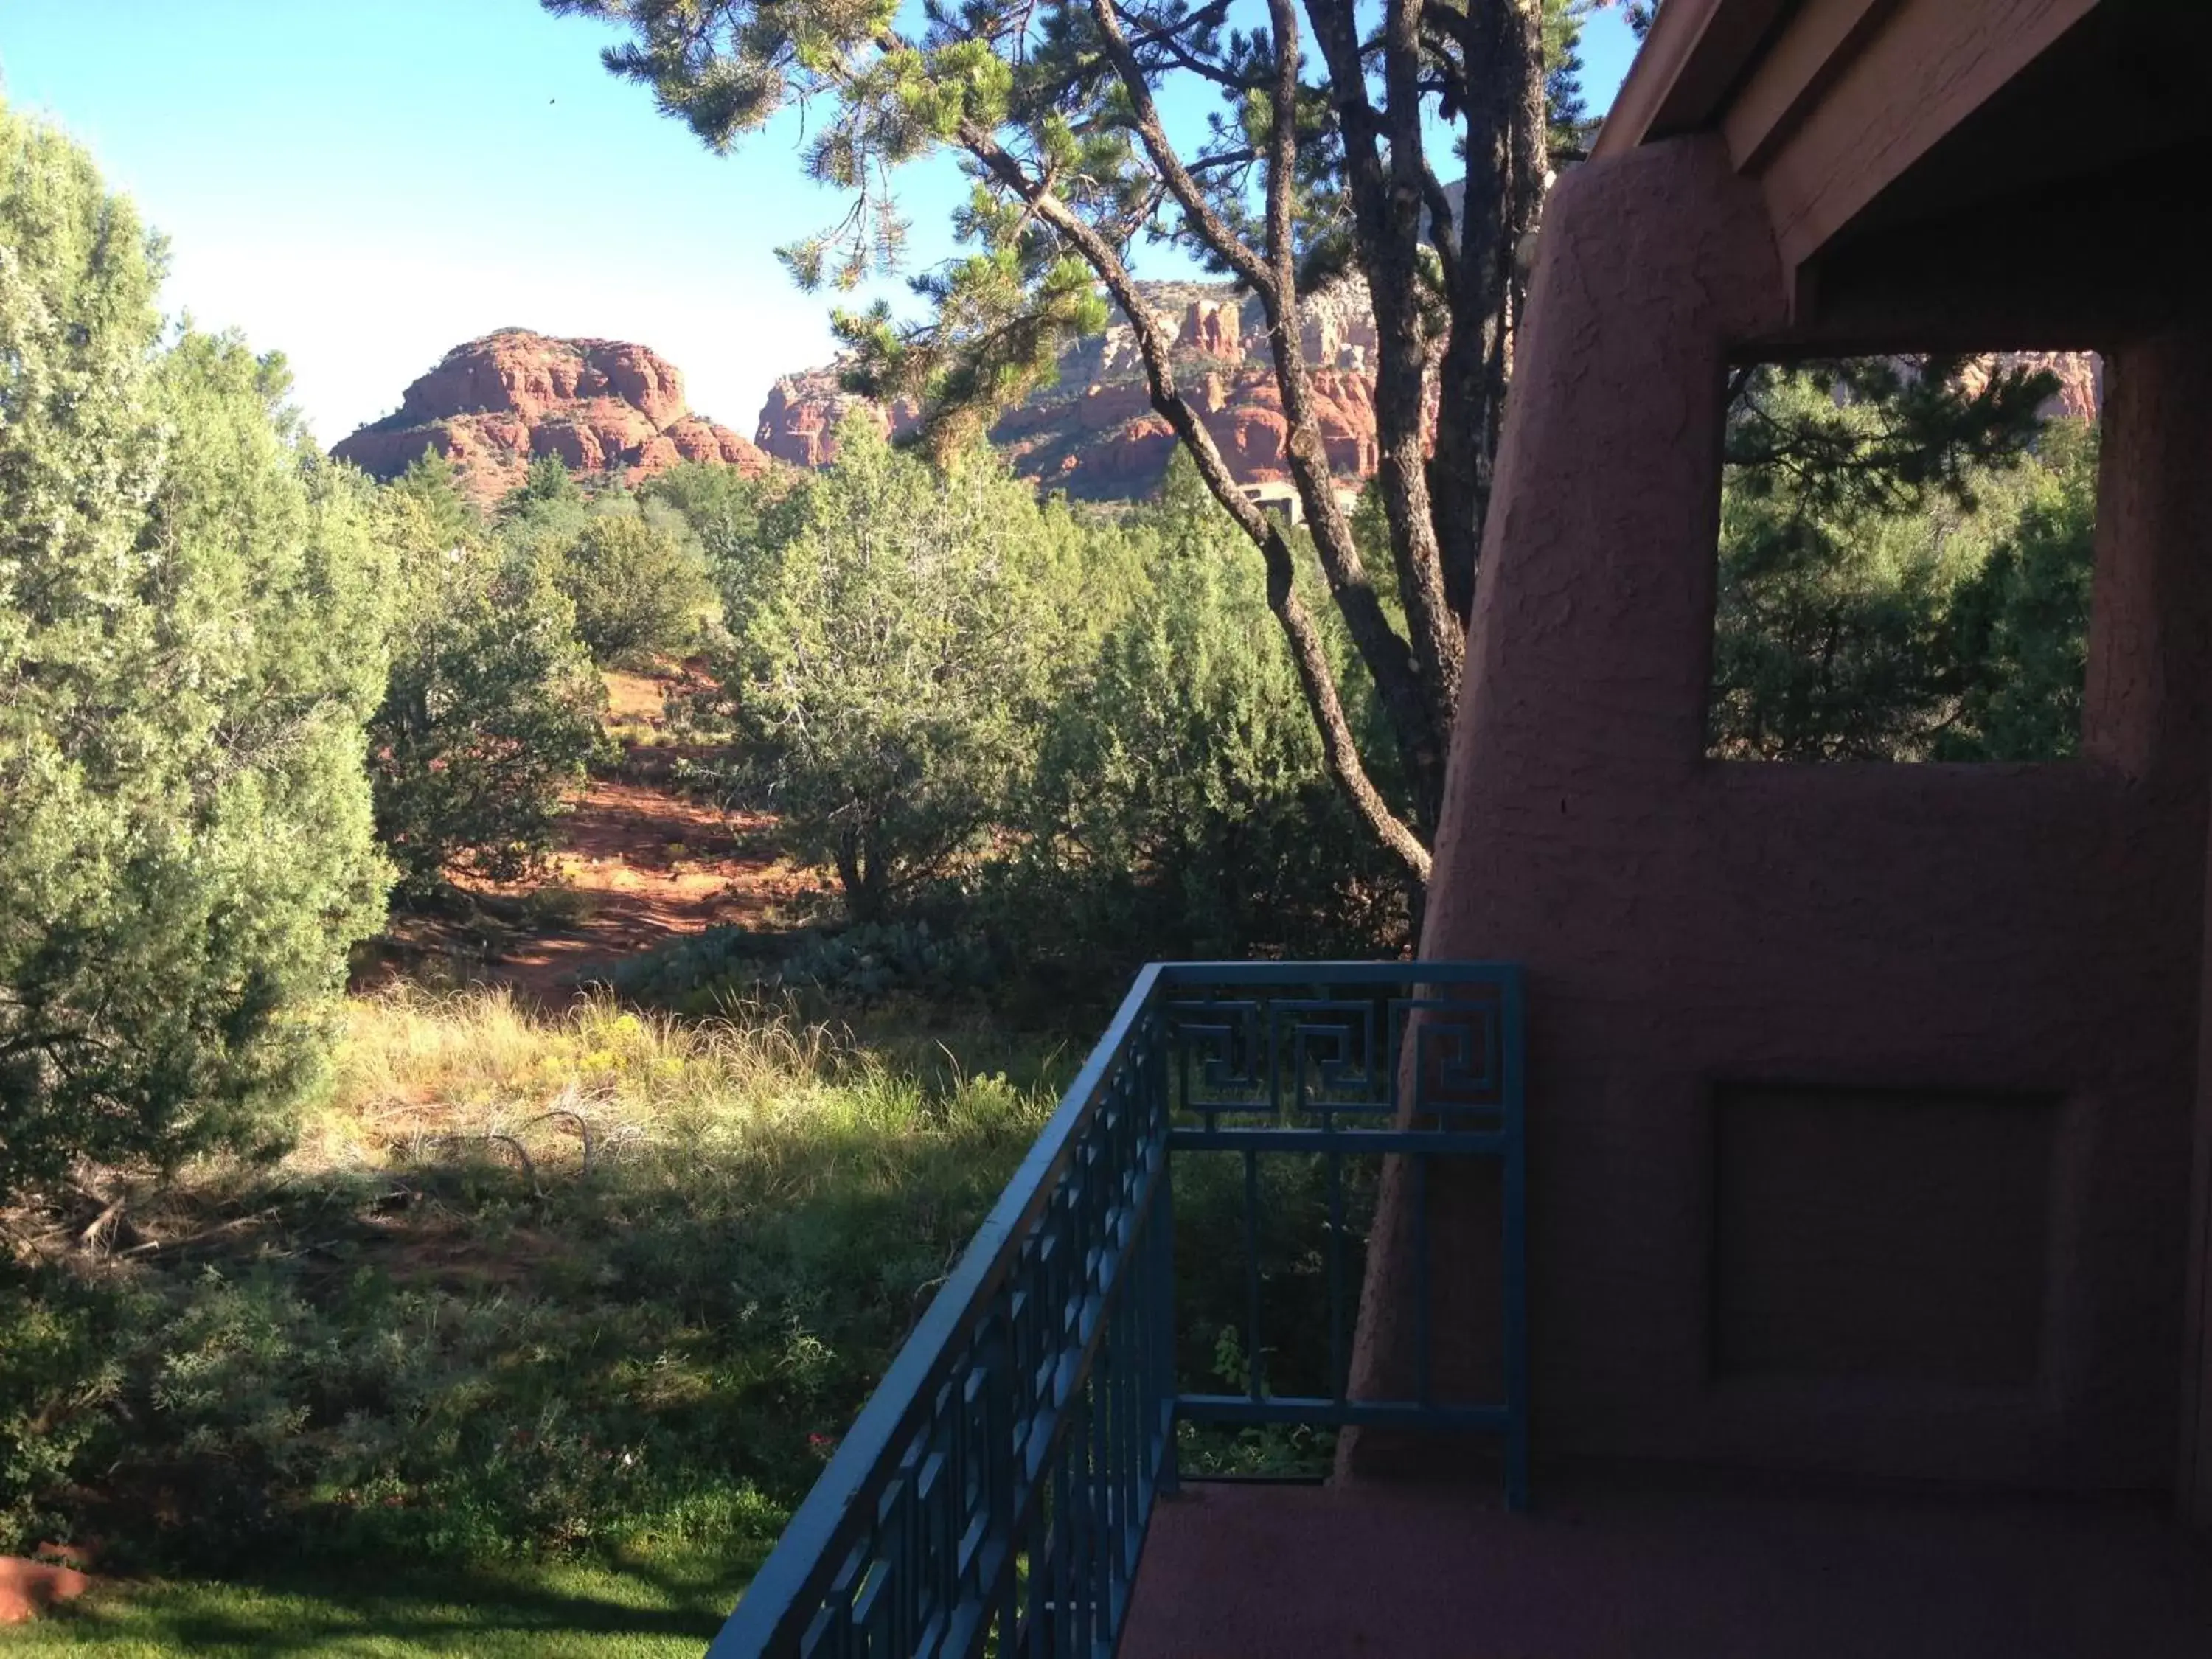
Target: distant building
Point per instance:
(1278, 498)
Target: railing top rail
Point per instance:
(1175, 974)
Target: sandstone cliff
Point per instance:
(800, 421)
(1094, 433)
(2080, 374)
(603, 406)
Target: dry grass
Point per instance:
(413, 1063)
(419, 1073)
(637, 707)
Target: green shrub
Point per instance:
(893, 661)
(191, 633)
(61, 1370)
(411, 1348)
(861, 963)
(737, 520)
(638, 581)
(1179, 806)
(2020, 626)
(490, 716)
(1904, 568)
(873, 960)
(698, 972)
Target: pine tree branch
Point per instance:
(1442, 226)
(1208, 224)
(1406, 678)
(1309, 653)
(1168, 37)
(1391, 661)
(1506, 163)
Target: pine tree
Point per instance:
(1329, 149)
(893, 661)
(546, 483)
(1865, 610)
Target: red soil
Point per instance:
(646, 864)
(29, 1588)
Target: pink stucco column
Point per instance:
(1588, 650)
(2151, 676)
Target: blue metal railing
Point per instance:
(993, 1494)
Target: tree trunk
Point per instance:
(1506, 165)
(859, 875)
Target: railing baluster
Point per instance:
(1254, 1384)
(1339, 1372)
(1098, 1491)
(1514, 1248)
(1129, 1389)
(1067, 1531)
(1162, 1311)
(1424, 1380)
(1000, 1452)
(1037, 1626)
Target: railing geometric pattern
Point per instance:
(1418, 1061)
(994, 1494)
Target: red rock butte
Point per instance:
(492, 405)
(1094, 431)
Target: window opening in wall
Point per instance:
(1905, 559)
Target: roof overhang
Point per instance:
(1869, 123)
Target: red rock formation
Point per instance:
(2080, 374)
(602, 406)
(800, 421)
(1212, 326)
(1095, 431)
(1337, 328)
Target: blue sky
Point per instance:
(363, 186)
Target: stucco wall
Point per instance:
(1687, 924)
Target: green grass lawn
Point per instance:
(652, 1609)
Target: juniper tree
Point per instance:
(1178, 804)
(893, 658)
(1332, 145)
(191, 633)
(491, 714)
(638, 580)
(547, 483)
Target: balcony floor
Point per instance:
(1618, 1571)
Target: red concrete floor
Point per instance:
(1620, 1572)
